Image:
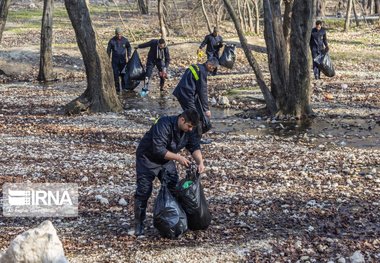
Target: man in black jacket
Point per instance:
(191, 90)
(318, 45)
(214, 42)
(120, 48)
(158, 150)
(158, 56)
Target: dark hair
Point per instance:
(161, 41)
(191, 116)
(213, 61)
(319, 22)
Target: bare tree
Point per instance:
(100, 95)
(348, 16)
(320, 8)
(46, 53)
(144, 10)
(290, 81)
(4, 7)
(206, 16)
(270, 102)
(161, 19)
(257, 16)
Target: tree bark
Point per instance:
(287, 19)
(143, 7)
(161, 19)
(250, 17)
(206, 16)
(277, 51)
(377, 6)
(46, 53)
(4, 7)
(355, 14)
(299, 77)
(348, 16)
(270, 102)
(241, 18)
(100, 95)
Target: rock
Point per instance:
(213, 101)
(298, 244)
(342, 260)
(344, 86)
(122, 202)
(84, 179)
(224, 101)
(102, 200)
(357, 257)
(234, 102)
(40, 244)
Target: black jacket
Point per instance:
(165, 136)
(318, 40)
(189, 89)
(213, 44)
(154, 52)
(119, 49)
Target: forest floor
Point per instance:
(278, 191)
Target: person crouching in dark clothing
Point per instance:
(192, 92)
(318, 45)
(159, 149)
(158, 56)
(120, 48)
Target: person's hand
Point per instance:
(183, 161)
(208, 113)
(201, 168)
(136, 47)
(199, 51)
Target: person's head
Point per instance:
(215, 32)
(188, 120)
(318, 25)
(211, 64)
(161, 43)
(118, 32)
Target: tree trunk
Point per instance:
(299, 77)
(250, 17)
(46, 54)
(276, 50)
(377, 6)
(241, 18)
(257, 17)
(100, 95)
(4, 7)
(161, 19)
(270, 102)
(287, 19)
(143, 7)
(348, 16)
(206, 16)
(355, 14)
(320, 8)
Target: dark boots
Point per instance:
(140, 214)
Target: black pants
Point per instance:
(146, 172)
(149, 69)
(316, 71)
(117, 69)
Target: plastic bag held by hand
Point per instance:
(135, 68)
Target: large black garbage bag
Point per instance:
(130, 84)
(325, 64)
(228, 57)
(168, 216)
(205, 121)
(135, 68)
(191, 197)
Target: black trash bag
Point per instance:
(325, 64)
(135, 68)
(228, 57)
(191, 197)
(205, 121)
(130, 84)
(168, 216)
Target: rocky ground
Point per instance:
(278, 191)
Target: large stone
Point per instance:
(37, 245)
